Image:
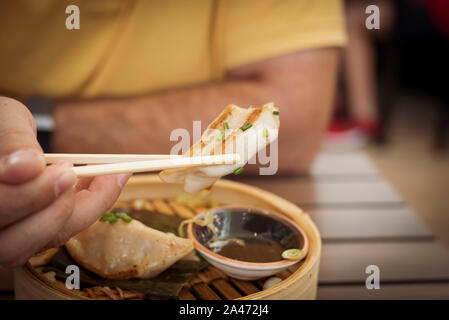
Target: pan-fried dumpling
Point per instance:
(235, 130)
(127, 250)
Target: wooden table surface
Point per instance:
(363, 221)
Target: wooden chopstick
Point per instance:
(156, 165)
(85, 158)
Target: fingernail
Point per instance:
(21, 156)
(65, 181)
(122, 179)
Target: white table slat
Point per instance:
(398, 261)
(351, 163)
(362, 223)
(309, 191)
(387, 291)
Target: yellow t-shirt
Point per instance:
(133, 47)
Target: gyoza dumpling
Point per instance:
(127, 250)
(235, 130)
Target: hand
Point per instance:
(42, 206)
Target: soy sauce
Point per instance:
(254, 250)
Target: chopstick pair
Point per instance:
(124, 163)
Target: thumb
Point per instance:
(21, 157)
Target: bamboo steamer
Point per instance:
(301, 284)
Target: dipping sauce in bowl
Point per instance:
(248, 243)
(255, 249)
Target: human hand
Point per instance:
(42, 206)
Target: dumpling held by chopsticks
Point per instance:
(235, 130)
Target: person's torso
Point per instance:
(122, 47)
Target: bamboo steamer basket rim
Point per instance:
(274, 202)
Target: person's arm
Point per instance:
(301, 84)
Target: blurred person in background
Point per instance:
(408, 53)
(356, 114)
(133, 72)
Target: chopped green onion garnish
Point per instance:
(124, 217)
(292, 254)
(109, 217)
(225, 125)
(246, 126)
(265, 132)
(276, 113)
(222, 136)
(113, 217)
(106, 216)
(238, 171)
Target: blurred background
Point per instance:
(393, 101)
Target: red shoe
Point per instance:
(349, 134)
(369, 127)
